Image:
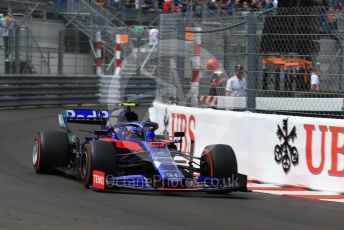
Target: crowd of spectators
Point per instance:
(228, 6)
(332, 9)
(197, 6)
(330, 15)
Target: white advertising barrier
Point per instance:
(310, 149)
(278, 103)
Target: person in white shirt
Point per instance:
(7, 33)
(236, 85)
(153, 36)
(314, 81)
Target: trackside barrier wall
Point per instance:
(109, 90)
(278, 149)
(35, 90)
(39, 90)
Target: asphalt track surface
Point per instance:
(31, 201)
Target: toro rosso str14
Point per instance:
(127, 154)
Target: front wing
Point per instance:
(103, 182)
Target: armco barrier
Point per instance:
(34, 90)
(109, 90)
(278, 149)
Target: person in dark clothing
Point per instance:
(217, 83)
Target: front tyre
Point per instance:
(97, 155)
(218, 161)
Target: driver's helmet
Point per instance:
(134, 132)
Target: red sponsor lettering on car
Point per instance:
(98, 180)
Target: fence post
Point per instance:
(341, 68)
(196, 67)
(17, 50)
(252, 62)
(164, 57)
(60, 53)
(118, 61)
(180, 54)
(99, 47)
(226, 54)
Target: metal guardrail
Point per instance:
(26, 90)
(35, 90)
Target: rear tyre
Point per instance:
(97, 155)
(50, 150)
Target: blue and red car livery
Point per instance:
(128, 154)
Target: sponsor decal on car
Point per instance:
(87, 114)
(98, 180)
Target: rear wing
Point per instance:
(83, 116)
(91, 116)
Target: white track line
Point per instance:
(254, 185)
(334, 200)
(302, 193)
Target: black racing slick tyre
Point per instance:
(50, 150)
(97, 155)
(218, 161)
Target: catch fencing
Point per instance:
(279, 49)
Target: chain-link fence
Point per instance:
(292, 57)
(31, 50)
(37, 45)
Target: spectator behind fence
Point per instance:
(236, 85)
(166, 7)
(115, 3)
(315, 83)
(63, 5)
(228, 5)
(237, 5)
(217, 83)
(269, 4)
(217, 77)
(153, 36)
(211, 4)
(256, 5)
(7, 33)
(332, 21)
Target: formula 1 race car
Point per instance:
(127, 154)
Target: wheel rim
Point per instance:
(84, 165)
(35, 153)
(205, 166)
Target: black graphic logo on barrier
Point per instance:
(285, 153)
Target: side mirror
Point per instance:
(179, 134)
